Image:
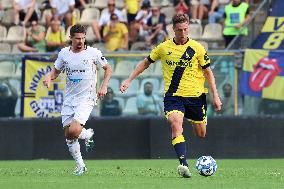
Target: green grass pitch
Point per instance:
(138, 174)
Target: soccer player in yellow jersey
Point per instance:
(185, 66)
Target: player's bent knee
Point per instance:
(73, 132)
(175, 122)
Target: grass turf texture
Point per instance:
(137, 174)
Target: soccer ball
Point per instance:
(206, 166)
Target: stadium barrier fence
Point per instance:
(138, 137)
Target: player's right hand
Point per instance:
(47, 80)
(124, 86)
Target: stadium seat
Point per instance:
(160, 3)
(16, 34)
(7, 69)
(170, 30)
(119, 4)
(18, 72)
(169, 12)
(8, 18)
(154, 81)
(204, 44)
(138, 46)
(6, 4)
(114, 84)
(5, 48)
(158, 69)
(121, 102)
(43, 15)
(100, 4)
(67, 33)
(100, 46)
(90, 36)
(195, 31)
(89, 15)
(3, 32)
(161, 89)
(148, 72)
(123, 68)
(15, 49)
(130, 107)
(212, 32)
(166, 3)
(16, 83)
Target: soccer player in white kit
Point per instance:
(79, 62)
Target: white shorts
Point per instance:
(79, 113)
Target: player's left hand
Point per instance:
(217, 103)
(124, 86)
(102, 92)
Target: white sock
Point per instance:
(85, 134)
(74, 149)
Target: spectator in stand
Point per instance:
(141, 18)
(115, 34)
(155, 29)
(219, 13)
(201, 9)
(55, 37)
(7, 101)
(132, 7)
(227, 100)
(110, 106)
(24, 11)
(147, 102)
(181, 6)
(35, 39)
(237, 15)
(105, 19)
(63, 10)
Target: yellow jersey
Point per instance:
(56, 37)
(116, 39)
(132, 6)
(182, 67)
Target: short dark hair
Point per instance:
(148, 83)
(180, 18)
(3, 89)
(227, 86)
(109, 90)
(77, 28)
(113, 15)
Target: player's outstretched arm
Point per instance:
(103, 90)
(141, 66)
(211, 82)
(50, 76)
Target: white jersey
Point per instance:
(81, 72)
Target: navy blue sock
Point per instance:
(180, 148)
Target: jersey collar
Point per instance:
(180, 44)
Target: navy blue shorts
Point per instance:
(193, 108)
